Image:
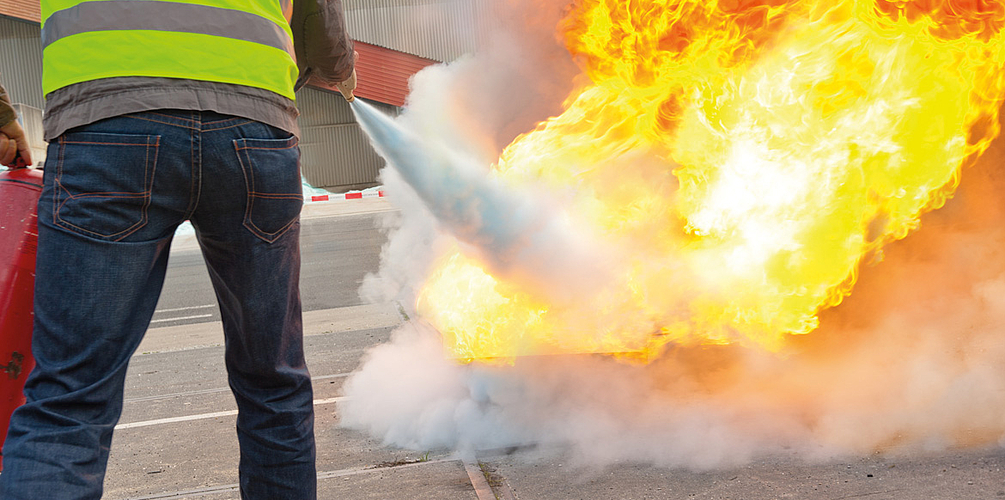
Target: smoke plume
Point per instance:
(912, 361)
(521, 236)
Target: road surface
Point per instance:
(337, 251)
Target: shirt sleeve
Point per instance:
(323, 47)
(7, 113)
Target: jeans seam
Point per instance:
(146, 194)
(149, 173)
(195, 125)
(108, 143)
(111, 194)
(265, 149)
(249, 180)
(173, 117)
(274, 196)
(195, 190)
(179, 125)
(291, 143)
(267, 236)
(205, 129)
(57, 186)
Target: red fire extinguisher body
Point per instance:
(19, 193)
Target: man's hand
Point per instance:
(13, 141)
(349, 86)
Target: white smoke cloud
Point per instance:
(473, 107)
(925, 375)
(432, 402)
(413, 244)
(911, 361)
(458, 115)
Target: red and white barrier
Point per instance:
(353, 195)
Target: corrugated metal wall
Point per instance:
(335, 154)
(435, 29)
(21, 75)
(21, 60)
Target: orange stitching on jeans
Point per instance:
(146, 194)
(268, 149)
(109, 194)
(145, 144)
(59, 174)
(151, 171)
(196, 125)
(59, 221)
(163, 122)
(277, 196)
(165, 115)
(130, 229)
(274, 236)
(249, 182)
(225, 128)
(247, 169)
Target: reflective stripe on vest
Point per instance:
(207, 40)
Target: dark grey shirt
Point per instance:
(88, 102)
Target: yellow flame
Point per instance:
(749, 154)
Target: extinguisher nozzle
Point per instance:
(19, 161)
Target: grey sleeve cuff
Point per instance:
(324, 48)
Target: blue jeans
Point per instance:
(115, 191)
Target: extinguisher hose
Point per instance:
(19, 161)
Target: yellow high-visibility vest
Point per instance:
(244, 42)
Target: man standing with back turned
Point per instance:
(157, 112)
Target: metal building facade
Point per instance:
(21, 74)
(437, 30)
(442, 30)
(21, 60)
(335, 153)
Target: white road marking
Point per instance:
(203, 416)
(183, 308)
(181, 318)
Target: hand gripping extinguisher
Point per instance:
(20, 189)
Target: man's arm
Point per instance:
(323, 47)
(12, 138)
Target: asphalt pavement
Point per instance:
(340, 244)
(176, 438)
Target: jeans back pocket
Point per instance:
(103, 183)
(272, 176)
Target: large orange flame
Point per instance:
(744, 157)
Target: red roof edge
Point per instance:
(26, 10)
(382, 74)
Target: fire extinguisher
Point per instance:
(20, 189)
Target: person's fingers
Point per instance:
(16, 140)
(8, 149)
(25, 152)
